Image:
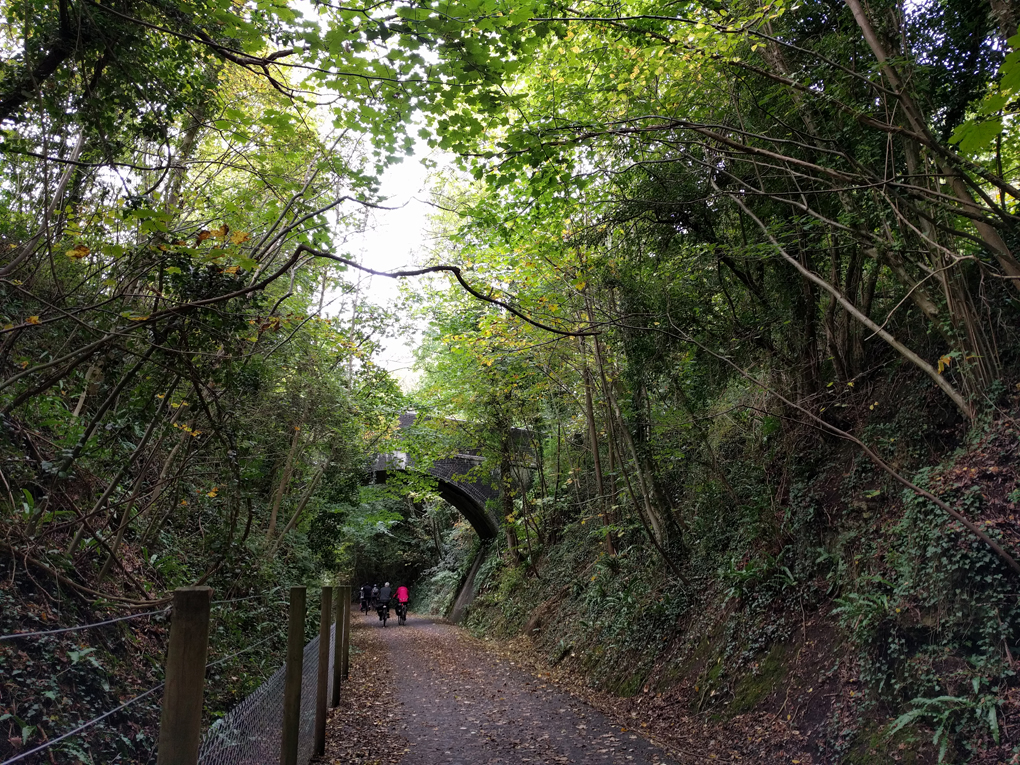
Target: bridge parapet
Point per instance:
(461, 476)
(460, 482)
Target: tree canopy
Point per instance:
(676, 243)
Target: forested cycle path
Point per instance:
(427, 694)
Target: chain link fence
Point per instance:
(250, 733)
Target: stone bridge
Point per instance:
(462, 479)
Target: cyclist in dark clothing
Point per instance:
(366, 597)
(384, 599)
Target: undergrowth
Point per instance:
(911, 621)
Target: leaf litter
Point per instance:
(428, 694)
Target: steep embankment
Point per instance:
(855, 623)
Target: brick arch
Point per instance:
(468, 498)
(467, 495)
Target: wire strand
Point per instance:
(249, 597)
(41, 633)
(80, 728)
(80, 627)
(238, 653)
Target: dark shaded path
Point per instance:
(448, 701)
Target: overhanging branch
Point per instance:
(458, 275)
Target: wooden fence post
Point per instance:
(338, 643)
(292, 684)
(347, 635)
(322, 687)
(180, 724)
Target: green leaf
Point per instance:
(904, 720)
(993, 104)
(1009, 71)
(974, 136)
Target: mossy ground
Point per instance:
(876, 745)
(765, 677)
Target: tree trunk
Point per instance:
(593, 440)
(288, 471)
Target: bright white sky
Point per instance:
(393, 238)
(392, 241)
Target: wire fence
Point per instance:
(250, 733)
(82, 727)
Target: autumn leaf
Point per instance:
(944, 362)
(239, 237)
(203, 235)
(78, 252)
(221, 232)
(33, 320)
(231, 270)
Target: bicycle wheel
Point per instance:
(385, 617)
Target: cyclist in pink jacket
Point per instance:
(402, 597)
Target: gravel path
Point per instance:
(451, 702)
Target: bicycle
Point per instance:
(384, 612)
(401, 609)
